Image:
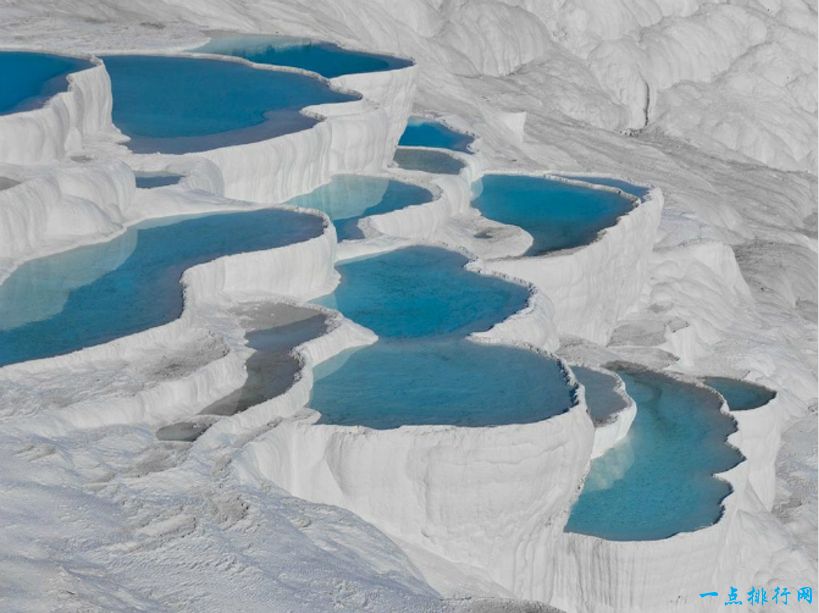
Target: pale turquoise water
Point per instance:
(422, 291)
(422, 302)
(659, 480)
(740, 395)
(94, 294)
(177, 104)
(436, 162)
(150, 180)
(422, 132)
(391, 384)
(348, 198)
(638, 191)
(557, 214)
(601, 393)
(327, 59)
(29, 79)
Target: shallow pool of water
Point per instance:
(272, 368)
(150, 180)
(172, 104)
(601, 394)
(348, 198)
(422, 291)
(557, 215)
(421, 132)
(424, 160)
(740, 395)
(326, 59)
(94, 294)
(395, 383)
(30, 79)
(658, 480)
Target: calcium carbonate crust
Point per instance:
(439, 487)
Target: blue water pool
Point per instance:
(29, 79)
(150, 180)
(740, 395)
(422, 132)
(601, 393)
(395, 383)
(348, 198)
(422, 291)
(327, 59)
(557, 214)
(659, 480)
(638, 191)
(97, 293)
(178, 104)
(424, 160)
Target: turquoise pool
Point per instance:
(422, 132)
(94, 294)
(420, 292)
(659, 481)
(740, 395)
(172, 104)
(397, 383)
(30, 79)
(558, 215)
(349, 198)
(326, 59)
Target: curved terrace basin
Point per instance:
(348, 198)
(422, 291)
(97, 293)
(558, 215)
(171, 104)
(30, 79)
(150, 180)
(638, 191)
(392, 384)
(601, 394)
(327, 59)
(740, 395)
(658, 480)
(272, 368)
(424, 160)
(421, 132)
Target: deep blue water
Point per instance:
(177, 104)
(741, 395)
(637, 191)
(327, 59)
(422, 291)
(659, 480)
(436, 162)
(147, 180)
(29, 79)
(94, 294)
(348, 198)
(459, 382)
(422, 132)
(601, 393)
(557, 214)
